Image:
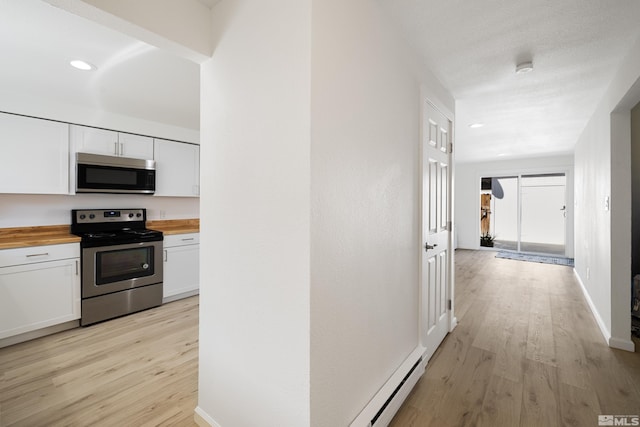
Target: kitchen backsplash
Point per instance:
(21, 210)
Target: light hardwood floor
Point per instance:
(139, 370)
(526, 352)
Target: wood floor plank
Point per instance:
(540, 405)
(540, 340)
(502, 403)
(578, 407)
(469, 385)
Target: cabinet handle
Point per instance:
(32, 255)
(165, 255)
(122, 148)
(77, 269)
(115, 148)
(186, 240)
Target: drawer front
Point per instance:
(33, 254)
(173, 240)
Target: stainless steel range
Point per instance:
(121, 262)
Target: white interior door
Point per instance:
(436, 256)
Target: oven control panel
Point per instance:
(108, 215)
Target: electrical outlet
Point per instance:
(163, 214)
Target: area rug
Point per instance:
(545, 259)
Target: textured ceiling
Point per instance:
(473, 48)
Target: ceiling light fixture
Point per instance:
(476, 125)
(82, 65)
(524, 67)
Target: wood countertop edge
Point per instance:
(22, 237)
(175, 226)
(170, 231)
(41, 240)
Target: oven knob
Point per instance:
(92, 216)
(145, 266)
(83, 216)
(138, 214)
(130, 215)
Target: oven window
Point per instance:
(124, 264)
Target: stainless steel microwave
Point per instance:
(96, 173)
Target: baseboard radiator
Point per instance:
(381, 409)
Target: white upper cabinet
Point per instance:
(110, 143)
(35, 155)
(135, 146)
(177, 169)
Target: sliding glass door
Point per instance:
(524, 213)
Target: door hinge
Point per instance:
(449, 304)
(451, 147)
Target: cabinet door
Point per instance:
(181, 270)
(35, 155)
(91, 140)
(135, 146)
(177, 168)
(38, 295)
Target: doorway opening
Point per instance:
(524, 213)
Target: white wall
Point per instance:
(467, 197)
(365, 236)
(255, 216)
(24, 210)
(323, 127)
(603, 169)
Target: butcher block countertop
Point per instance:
(175, 226)
(21, 237)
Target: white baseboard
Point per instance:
(603, 328)
(180, 296)
(387, 390)
(28, 336)
(203, 419)
(454, 323)
(618, 343)
(612, 342)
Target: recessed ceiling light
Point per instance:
(524, 67)
(476, 125)
(82, 65)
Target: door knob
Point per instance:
(428, 246)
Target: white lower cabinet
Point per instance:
(181, 265)
(39, 287)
